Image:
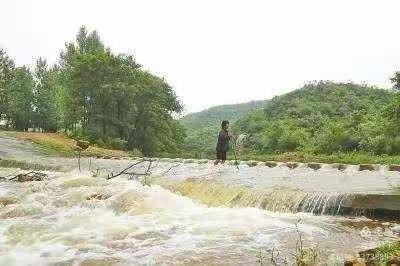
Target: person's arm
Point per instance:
(230, 137)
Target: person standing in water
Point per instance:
(223, 143)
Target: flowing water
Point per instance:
(193, 213)
(74, 218)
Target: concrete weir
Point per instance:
(372, 205)
(214, 193)
(292, 165)
(323, 189)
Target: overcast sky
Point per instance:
(218, 52)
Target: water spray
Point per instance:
(238, 142)
(234, 154)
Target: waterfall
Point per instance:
(275, 199)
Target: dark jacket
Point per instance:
(223, 141)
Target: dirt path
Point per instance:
(12, 148)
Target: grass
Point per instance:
(388, 252)
(25, 165)
(59, 144)
(343, 158)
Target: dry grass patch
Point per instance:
(59, 144)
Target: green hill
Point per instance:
(322, 118)
(202, 127)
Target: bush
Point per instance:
(285, 136)
(376, 145)
(393, 146)
(100, 143)
(292, 140)
(335, 137)
(118, 144)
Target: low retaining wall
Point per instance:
(372, 205)
(271, 164)
(293, 165)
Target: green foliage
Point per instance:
(387, 252)
(45, 111)
(396, 80)
(118, 144)
(285, 135)
(96, 95)
(20, 99)
(26, 165)
(202, 128)
(335, 136)
(325, 118)
(6, 75)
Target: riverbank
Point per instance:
(60, 145)
(57, 144)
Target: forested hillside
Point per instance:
(107, 98)
(94, 94)
(324, 118)
(202, 127)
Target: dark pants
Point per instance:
(221, 155)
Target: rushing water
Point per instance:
(193, 213)
(73, 218)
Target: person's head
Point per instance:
(225, 124)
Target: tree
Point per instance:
(96, 95)
(46, 117)
(6, 75)
(110, 99)
(396, 81)
(154, 128)
(20, 96)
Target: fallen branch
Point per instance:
(147, 172)
(126, 169)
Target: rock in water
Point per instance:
(4, 201)
(31, 176)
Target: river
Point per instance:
(191, 214)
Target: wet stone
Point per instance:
(340, 167)
(4, 201)
(31, 176)
(271, 164)
(355, 262)
(394, 167)
(368, 167)
(291, 165)
(98, 196)
(252, 163)
(315, 166)
(98, 262)
(63, 263)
